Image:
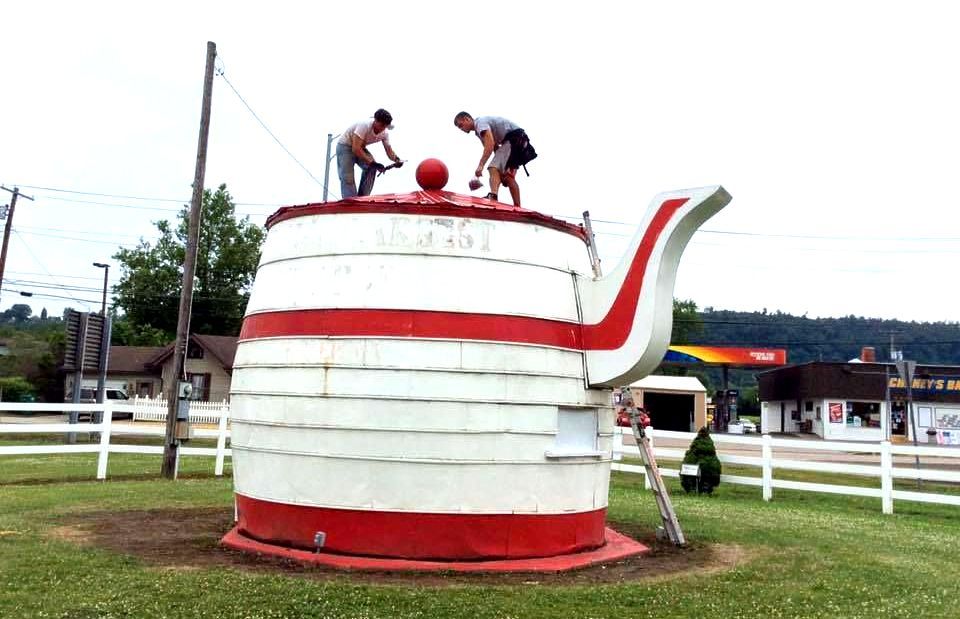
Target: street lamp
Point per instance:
(106, 272)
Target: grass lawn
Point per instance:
(808, 555)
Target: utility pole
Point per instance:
(172, 443)
(8, 227)
(895, 355)
(326, 169)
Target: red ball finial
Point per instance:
(432, 174)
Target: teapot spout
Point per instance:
(628, 314)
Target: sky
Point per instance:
(832, 124)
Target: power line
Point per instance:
(41, 265)
(52, 296)
(222, 73)
(36, 284)
(98, 232)
(49, 275)
(73, 238)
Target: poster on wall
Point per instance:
(948, 418)
(836, 412)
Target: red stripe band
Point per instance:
(412, 323)
(421, 536)
(609, 334)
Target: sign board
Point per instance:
(727, 355)
(84, 333)
(933, 383)
(693, 470)
(906, 370)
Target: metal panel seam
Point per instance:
(539, 462)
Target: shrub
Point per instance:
(702, 452)
(15, 389)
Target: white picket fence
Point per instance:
(155, 409)
(107, 430)
(884, 468)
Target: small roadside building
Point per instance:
(144, 371)
(857, 401)
(677, 403)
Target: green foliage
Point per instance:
(16, 389)
(703, 452)
(18, 313)
(35, 352)
(748, 402)
(227, 256)
(125, 332)
(687, 324)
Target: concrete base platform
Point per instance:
(617, 547)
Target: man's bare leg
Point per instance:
(510, 180)
(494, 181)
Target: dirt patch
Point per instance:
(186, 539)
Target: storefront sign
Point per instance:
(836, 412)
(943, 384)
(749, 357)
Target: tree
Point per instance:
(687, 324)
(703, 452)
(228, 253)
(126, 333)
(18, 313)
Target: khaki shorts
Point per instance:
(500, 157)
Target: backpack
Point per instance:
(521, 150)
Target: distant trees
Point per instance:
(34, 353)
(687, 324)
(18, 313)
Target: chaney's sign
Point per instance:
(934, 383)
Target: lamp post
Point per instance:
(106, 272)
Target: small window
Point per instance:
(576, 433)
(808, 406)
(194, 351)
(201, 386)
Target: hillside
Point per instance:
(811, 339)
(831, 339)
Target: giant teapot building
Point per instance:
(428, 376)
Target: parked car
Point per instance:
(741, 426)
(88, 395)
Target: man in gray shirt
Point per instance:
(509, 146)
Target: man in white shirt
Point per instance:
(352, 150)
(509, 146)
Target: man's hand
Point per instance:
(479, 171)
(398, 163)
